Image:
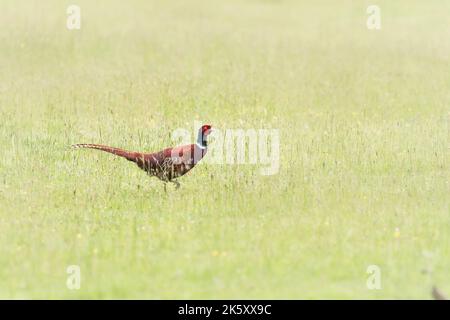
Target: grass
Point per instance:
(363, 118)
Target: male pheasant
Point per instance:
(167, 164)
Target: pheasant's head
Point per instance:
(206, 129)
(203, 134)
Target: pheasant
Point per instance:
(168, 164)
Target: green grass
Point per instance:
(363, 118)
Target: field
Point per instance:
(364, 168)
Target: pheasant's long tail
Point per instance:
(129, 155)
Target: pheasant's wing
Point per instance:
(156, 164)
(183, 159)
(170, 163)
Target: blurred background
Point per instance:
(363, 120)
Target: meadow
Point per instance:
(364, 164)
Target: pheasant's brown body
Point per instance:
(167, 164)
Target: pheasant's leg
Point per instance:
(165, 187)
(177, 184)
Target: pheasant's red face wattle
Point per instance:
(206, 130)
